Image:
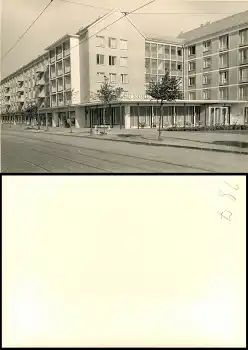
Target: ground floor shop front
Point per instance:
(140, 114)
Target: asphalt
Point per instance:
(40, 152)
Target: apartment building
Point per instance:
(216, 61)
(211, 60)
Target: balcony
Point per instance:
(40, 70)
(59, 56)
(67, 86)
(40, 82)
(61, 102)
(59, 72)
(20, 79)
(52, 59)
(41, 94)
(21, 98)
(20, 88)
(66, 52)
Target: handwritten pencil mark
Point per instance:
(222, 215)
(227, 214)
(230, 196)
(237, 187)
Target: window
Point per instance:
(243, 93)
(206, 79)
(112, 43)
(191, 65)
(224, 60)
(124, 78)
(243, 35)
(191, 50)
(223, 77)
(206, 46)
(243, 56)
(207, 62)
(123, 44)
(99, 59)
(173, 51)
(191, 81)
(123, 61)
(223, 42)
(112, 77)
(100, 41)
(179, 67)
(100, 77)
(112, 60)
(179, 52)
(223, 93)
(206, 94)
(192, 95)
(243, 75)
(147, 48)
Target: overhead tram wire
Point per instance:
(27, 29)
(125, 15)
(86, 5)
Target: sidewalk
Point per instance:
(207, 141)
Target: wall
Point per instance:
(75, 69)
(122, 29)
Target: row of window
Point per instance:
(223, 60)
(112, 43)
(112, 78)
(223, 93)
(223, 77)
(153, 49)
(223, 43)
(112, 60)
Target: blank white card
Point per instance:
(124, 261)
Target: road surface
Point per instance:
(38, 152)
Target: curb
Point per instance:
(154, 144)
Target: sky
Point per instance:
(67, 16)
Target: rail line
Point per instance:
(110, 152)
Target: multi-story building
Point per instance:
(216, 62)
(211, 60)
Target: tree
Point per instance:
(106, 95)
(168, 89)
(31, 111)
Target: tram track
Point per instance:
(80, 148)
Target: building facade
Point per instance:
(211, 60)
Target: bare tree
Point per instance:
(107, 94)
(168, 89)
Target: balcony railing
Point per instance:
(53, 75)
(66, 52)
(67, 86)
(60, 87)
(59, 72)
(59, 56)
(41, 94)
(52, 59)
(40, 82)
(20, 88)
(40, 70)
(21, 98)
(61, 102)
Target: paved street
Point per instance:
(24, 151)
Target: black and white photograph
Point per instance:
(124, 154)
(124, 86)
